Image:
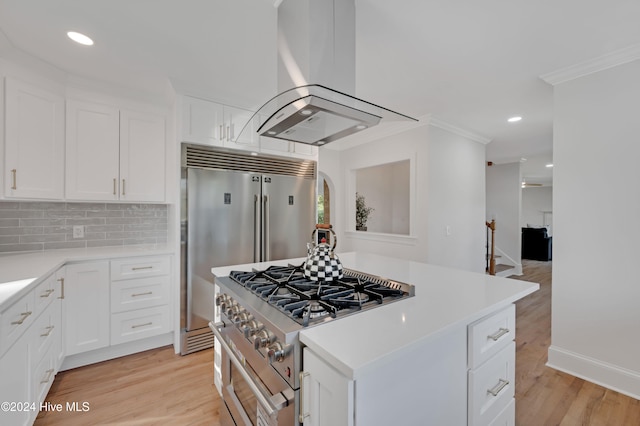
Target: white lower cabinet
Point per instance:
(327, 395)
(87, 313)
(492, 356)
(139, 298)
(15, 385)
(31, 355)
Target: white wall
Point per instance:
(447, 176)
(536, 201)
(596, 291)
(504, 204)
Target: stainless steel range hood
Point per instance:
(316, 44)
(316, 115)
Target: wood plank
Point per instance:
(155, 387)
(545, 396)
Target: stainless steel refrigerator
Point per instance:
(237, 208)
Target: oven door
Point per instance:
(246, 397)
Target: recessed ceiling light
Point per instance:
(361, 127)
(80, 38)
(514, 119)
(549, 165)
(306, 112)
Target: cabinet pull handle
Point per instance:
(49, 330)
(498, 334)
(24, 315)
(221, 133)
(14, 172)
(138, 268)
(497, 388)
(141, 325)
(123, 186)
(61, 280)
(115, 182)
(228, 133)
(47, 377)
(47, 293)
(142, 294)
(302, 415)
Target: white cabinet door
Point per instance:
(302, 150)
(113, 154)
(92, 150)
(202, 121)
(15, 384)
(235, 120)
(328, 396)
(142, 157)
(34, 143)
(87, 314)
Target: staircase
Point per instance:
(494, 263)
(503, 269)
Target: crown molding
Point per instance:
(441, 124)
(610, 60)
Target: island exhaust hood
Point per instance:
(316, 115)
(316, 44)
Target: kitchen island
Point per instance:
(444, 356)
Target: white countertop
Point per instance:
(444, 299)
(19, 272)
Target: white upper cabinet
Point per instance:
(34, 143)
(113, 154)
(92, 151)
(142, 157)
(220, 125)
(202, 121)
(235, 120)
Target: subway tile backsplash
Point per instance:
(37, 226)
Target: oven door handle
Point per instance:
(264, 401)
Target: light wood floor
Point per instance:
(160, 388)
(545, 396)
(155, 387)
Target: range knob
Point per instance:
(222, 298)
(233, 309)
(251, 327)
(277, 352)
(241, 318)
(263, 338)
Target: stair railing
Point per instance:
(491, 256)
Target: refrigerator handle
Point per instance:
(256, 229)
(266, 242)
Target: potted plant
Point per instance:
(362, 213)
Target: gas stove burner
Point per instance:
(305, 301)
(316, 310)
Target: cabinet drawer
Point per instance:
(45, 331)
(491, 386)
(45, 293)
(42, 378)
(134, 325)
(507, 417)
(15, 320)
(140, 293)
(139, 267)
(490, 334)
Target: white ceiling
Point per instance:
(470, 63)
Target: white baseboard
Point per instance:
(111, 352)
(601, 373)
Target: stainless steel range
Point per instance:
(262, 313)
